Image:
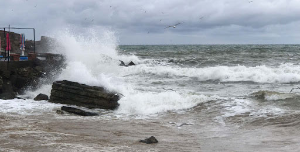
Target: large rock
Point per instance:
(73, 93)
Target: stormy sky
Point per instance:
(145, 21)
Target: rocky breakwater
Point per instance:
(73, 93)
(17, 76)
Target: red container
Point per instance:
(15, 57)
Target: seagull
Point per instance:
(201, 18)
(174, 26)
(250, 1)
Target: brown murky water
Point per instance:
(72, 133)
(192, 131)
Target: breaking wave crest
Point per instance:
(285, 73)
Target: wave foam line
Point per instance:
(285, 73)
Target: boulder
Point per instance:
(149, 140)
(130, 63)
(77, 111)
(123, 64)
(41, 97)
(73, 93)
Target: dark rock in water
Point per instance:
(149, 140)
(78, 111)
(6, 90)
(73, 93)
(41, 97)
(122, 63)
(131, 63)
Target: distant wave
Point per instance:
(284, 73)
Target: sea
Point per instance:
(210, 98)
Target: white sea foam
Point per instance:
(281, 96)
(26, 107)
(244, 106)
(152, 103)
(237, 107)
(285, 73)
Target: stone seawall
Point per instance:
(16, 76)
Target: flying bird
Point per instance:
(174, 26)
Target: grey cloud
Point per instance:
(227, 20)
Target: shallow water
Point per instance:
(190, 97)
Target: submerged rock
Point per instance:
(77, 111)
(41, 97)
(73, 93)
(150, 140)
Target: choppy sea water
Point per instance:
(191, 97)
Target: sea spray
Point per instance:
(94, 60)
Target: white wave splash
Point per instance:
(153, 103)
(26, 107)
(284, 73)
(94, 60)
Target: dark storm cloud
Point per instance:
(224, 21)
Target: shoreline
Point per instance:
(74, 133)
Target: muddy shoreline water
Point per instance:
(73, 133)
